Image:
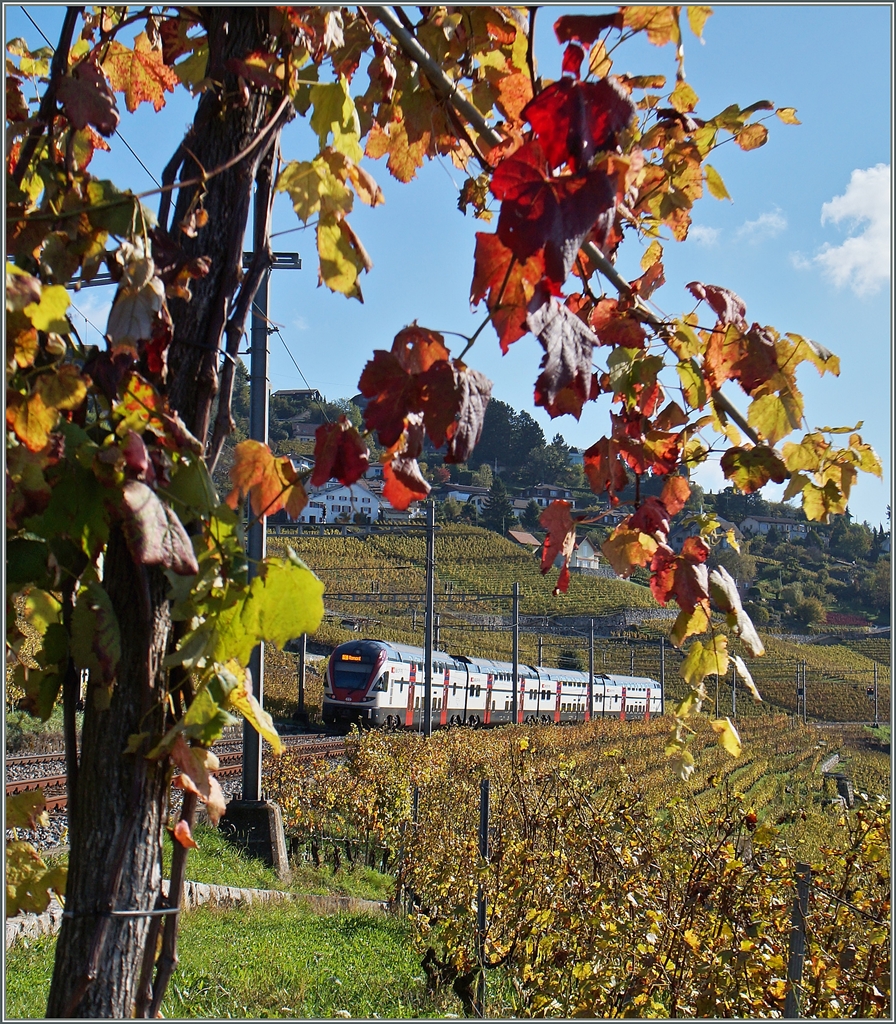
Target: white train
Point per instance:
(379, 683)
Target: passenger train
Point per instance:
(376, 683)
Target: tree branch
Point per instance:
(47, 109)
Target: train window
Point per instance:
(417, 703)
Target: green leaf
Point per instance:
(76, 510)
(49, 313)
(773, 417)
(96, 640)
(54, 647)
(205, 720)
(26, 562)
(40, 609)
(119, 216)
(334, 112)
(285, 601)
(191, 489)
(314, 188)
(714, 183)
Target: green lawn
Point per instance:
(263, 962)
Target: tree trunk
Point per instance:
(119, 816)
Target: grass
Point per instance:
(281, 962)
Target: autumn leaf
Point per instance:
(141, 73)
(714, 183)
(573, 56)
(788, 115)
(271, 483)
(701, 661)
(560, 541)
(586, 28)
(660, 23)
(196, 766)
(183, 835)
(724, 593)
(751, 468)
(728, 737)
(744, 673)
(404, 483)
(30, 419)
(87, 99)
(48, 312)
(752, 136)
(616, 327)
(573, 121)
(454, 400)
(154, 534)
(683, 577)
(566, 364)
(676, 491)
(728, 306)
(625, 549)
(604, 469)
(773, 416)
(507, 283)
(687, 624)
(339, 453)
(27, 810)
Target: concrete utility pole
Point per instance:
(516, 650)
(591, 671)
(430, 615)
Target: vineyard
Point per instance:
(610, 888)
(375, 586)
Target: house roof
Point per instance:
(776, 520)
(522, 537)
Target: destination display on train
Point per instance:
(351, 657)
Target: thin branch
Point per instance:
(47, 110)
(530, 51)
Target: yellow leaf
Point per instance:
(30, 419)
(689, 624)
(728, 737)
(683, 98)
(340, 264)
(697, 16)
(714, 183)
(773, 417)
(49, 313)
(64, 389)
(242, 699)
(599, 63)
(652, 254)
(788, 115)
(752, 136)
(701, 661)
(692, 939)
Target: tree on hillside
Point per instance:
(123, 559)
(497, 512)
(531, 515)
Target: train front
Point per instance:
(356, 677)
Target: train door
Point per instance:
(557, 706)
(647, 706)
(622, 707)
(409, 716)
(487, 715)
(446, 679)
(589, 698)
(521, 699)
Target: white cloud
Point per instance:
(300, 323)
(766, 225)
(703, 235)
(862, 261)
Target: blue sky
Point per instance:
(806, 241)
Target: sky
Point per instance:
(806, 241)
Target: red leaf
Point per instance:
(135, 453)
(615, 328)
(87, 99)
(573, 56)
(339, 452)
(604, 469)
(454, 403)
(417, 348)
(196, 766)
(404, 482)
(585, 27)
(560, 541)
(575, 120)
(683, 576)
(729, 307)
(509, 284)
(749, 358)
(568, 344)
(648, 282)
(154, 534)
(696, 549)
(651, 518)
(272, 483)
(392, 393)
(556, 214)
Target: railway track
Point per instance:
(230, 764)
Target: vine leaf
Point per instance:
(196, 766)
(339, 453)
(87, 99)
(154, 534)
(728, 737)
(184, 835)
(271, 483)
(566, 365)
(27, 810)
(700, 662)
(747, 678)
(243, 700)
(751, 468)
(723, 591)
(626, 548)
(506, 283)
(141, 73)
(729, 307)
(285, 600)
(560, 541)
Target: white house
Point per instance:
(477, 496)
(790, 529)
(326, 504)
(586, 555)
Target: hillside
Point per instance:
(375, 587)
